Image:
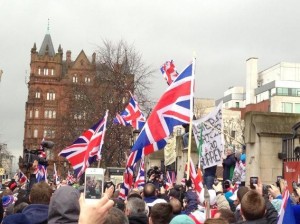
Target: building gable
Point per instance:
(82, 62)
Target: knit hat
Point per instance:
(179, 219)
(7, 200)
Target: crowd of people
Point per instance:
(152, 204)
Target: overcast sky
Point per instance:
(223, 34)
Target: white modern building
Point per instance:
(276, 89)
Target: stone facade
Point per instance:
(263, 136)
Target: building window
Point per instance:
(37, 95)
(297, 108)
(36, 113)
(124, 100)
(87, 80)
(287, 107)
(237, 104)
(52, 71)
(30, 114)
(51, 114)
(45, 71)
(51, 96)
(49, 133)
(35, 133)
(282, 91)
(75, 78)
(80, 115)
(39, 71)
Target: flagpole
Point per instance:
(191, 117)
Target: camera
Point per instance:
(253, 180)
(156, 171)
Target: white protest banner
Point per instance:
(212, 139)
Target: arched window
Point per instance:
(52, 72)
(37, 94)
(45, 71)
(30, 114)
(39, 70)
(87, 80)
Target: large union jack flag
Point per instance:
(169, 71)
(172, 109)
(87, 148)
(140, 179)
(132, 115)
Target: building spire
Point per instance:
(48, 27)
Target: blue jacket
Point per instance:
(32, 214)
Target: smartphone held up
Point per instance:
(93, 185)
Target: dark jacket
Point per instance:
(192, 201)
(271, 213)
(228, 163)
(138, 219)
(33, 214)
(210, 171)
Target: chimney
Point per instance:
(94, 58)
(251, 80)
(68, 56)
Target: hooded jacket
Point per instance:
(64, 206)
(32, 214)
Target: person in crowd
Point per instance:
(216, 221)
(161, 213)
(64, 206)
(228, 192)
(239, 173)
(253, 208)
(150, 195)
(115, 216)
(209, 176)
(95, 213)
(135, 211)
(191, 198)
(37, 211)
(228, 164)
(182, 219)
(221, 200)
(237, 198)
(185, 136)
(119, 203)
(225, 214)
(176, 206)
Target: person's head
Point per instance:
(149, 190)
(226, 214)
(229, 150)
(161, 213)
(180, 219)
(64, 206)
(135, 206)
(253, 205)
(227, 184)
(188, 183)
(241, 192)
(176, 206)
(40, 193)
(115, 216)
(216, 221)
(119, 203)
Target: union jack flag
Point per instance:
(40, 173)
(127, 182)
(70, 178)
(169, 71)
(172, 109)
(87, 148)
(22, 178)
(132, 115)
(140, 179)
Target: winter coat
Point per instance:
(64, 206)
(138, 219)
(228, 164)
(32, 214)
(192, 201)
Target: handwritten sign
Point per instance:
(209, 129)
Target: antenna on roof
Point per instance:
(48, 27)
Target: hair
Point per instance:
(176, 206)
(253, 205)
(241, 192)
(227, 215)
(188, 183)
(40, 193)
(134, 194)
(149, 190)
(216, 221)
(135, 206)
(161, 213)
(119, 203)
(115, 216)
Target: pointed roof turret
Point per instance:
(47, 46)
